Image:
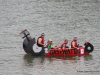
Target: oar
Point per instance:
(50, 47)
(78, 51)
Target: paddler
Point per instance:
(50, 43)
(74, 43)
(40, 40)
(64, 45)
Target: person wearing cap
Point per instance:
(64, 45)
(74, 43)
(50, 43)
(40, 40)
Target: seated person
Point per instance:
(50, 43)
(74, 43)
(64, 45)
(40, 40)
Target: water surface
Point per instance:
(59, 20)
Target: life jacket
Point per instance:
(48, 44)
(41, 41)
(62, 44)
(75, 44)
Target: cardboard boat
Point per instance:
(31, 48)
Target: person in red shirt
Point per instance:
(74, 43)
(40, 40)
(64, 44)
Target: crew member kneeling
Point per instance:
(74, 43)
(50, 43)
(40, 40)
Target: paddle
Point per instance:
(50, 47)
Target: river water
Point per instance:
(59, 20)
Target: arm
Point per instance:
(78, 44)
(39, 41)
(66, 46)
(55, 47)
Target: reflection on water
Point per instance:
(34, 60)
(64, 64)
(88, 57)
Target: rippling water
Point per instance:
(58, 19)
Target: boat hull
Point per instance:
(67, 52)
